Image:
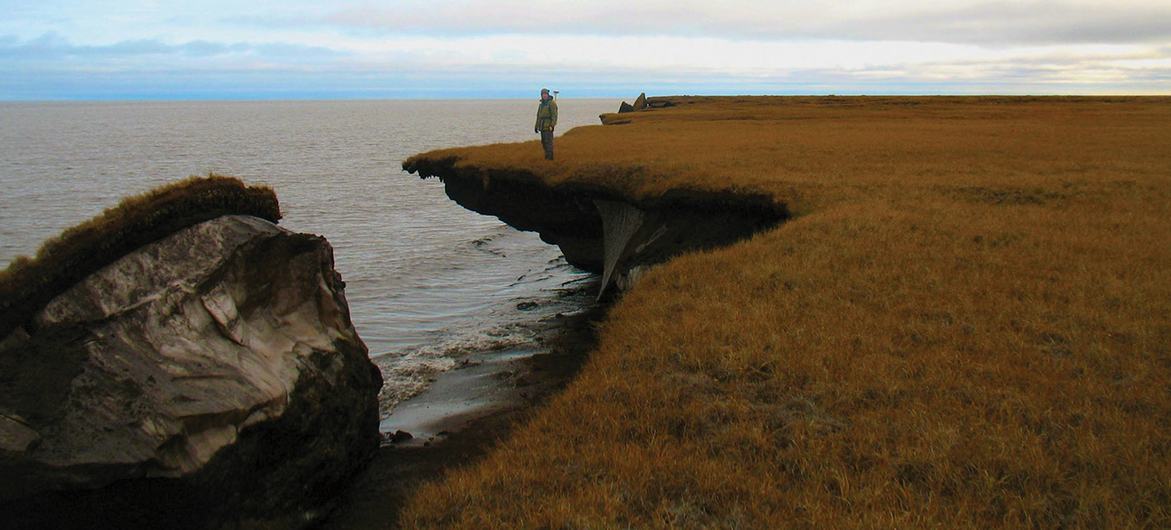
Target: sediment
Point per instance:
(378, 494)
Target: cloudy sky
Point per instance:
(244, 49)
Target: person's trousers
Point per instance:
(547, 143)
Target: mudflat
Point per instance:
(966, 322)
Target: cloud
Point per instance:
(966, 22)
(467, 47)
(52, 46)
(510, 66)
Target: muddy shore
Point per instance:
(506, 391)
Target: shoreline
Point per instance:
(518, 385)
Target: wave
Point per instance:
(407, 374)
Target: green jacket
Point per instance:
(546, 115)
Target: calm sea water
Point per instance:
(427, 281)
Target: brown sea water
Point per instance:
(427, 281)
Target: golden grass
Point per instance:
(29, 283)
(968, 324)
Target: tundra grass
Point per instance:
(967, 324)
(29, 283)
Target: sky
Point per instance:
(54, 50)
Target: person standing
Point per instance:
(546, 121)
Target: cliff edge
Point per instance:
(602, 230)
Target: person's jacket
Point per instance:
(546, 115)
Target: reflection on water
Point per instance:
(425, 279)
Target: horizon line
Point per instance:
(255, 99)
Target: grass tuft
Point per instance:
(29, 283)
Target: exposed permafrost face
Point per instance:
(184, 314)
(620, 221)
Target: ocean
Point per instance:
(428, 282)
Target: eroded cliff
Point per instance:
(598, 229)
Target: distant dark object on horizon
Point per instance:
(642, 102)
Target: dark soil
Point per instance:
(379, 493)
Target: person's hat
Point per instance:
(544, 91)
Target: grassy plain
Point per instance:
(966, 324)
